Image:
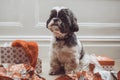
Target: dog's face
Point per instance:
(62, 22)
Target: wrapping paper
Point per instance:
(20, 60)
(13, 55)
(30, 48)
(19, 72)
(89, 69)
(106, 62)
(16, 55)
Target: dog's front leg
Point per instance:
(54, 66)
(71, 66)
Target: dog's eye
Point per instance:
(62, 18)
(52, 15)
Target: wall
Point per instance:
(99, 22)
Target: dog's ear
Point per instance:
(74, 26)
(47, 23)
(53, 13)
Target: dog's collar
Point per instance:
(66, 37)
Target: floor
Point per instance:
(45, 72)
(45, 69)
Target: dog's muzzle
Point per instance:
(56, 21)
(54, 24)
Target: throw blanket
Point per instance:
(31, 49)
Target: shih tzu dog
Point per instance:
(66, 50)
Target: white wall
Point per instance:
(99, 22)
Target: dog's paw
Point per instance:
(53, 72)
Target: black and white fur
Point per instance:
(66, 50)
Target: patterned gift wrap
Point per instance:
(39, 66)
(16, 55)
(13, 55)
(106, 62)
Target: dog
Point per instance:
(66, 50)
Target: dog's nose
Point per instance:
(55, 19)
